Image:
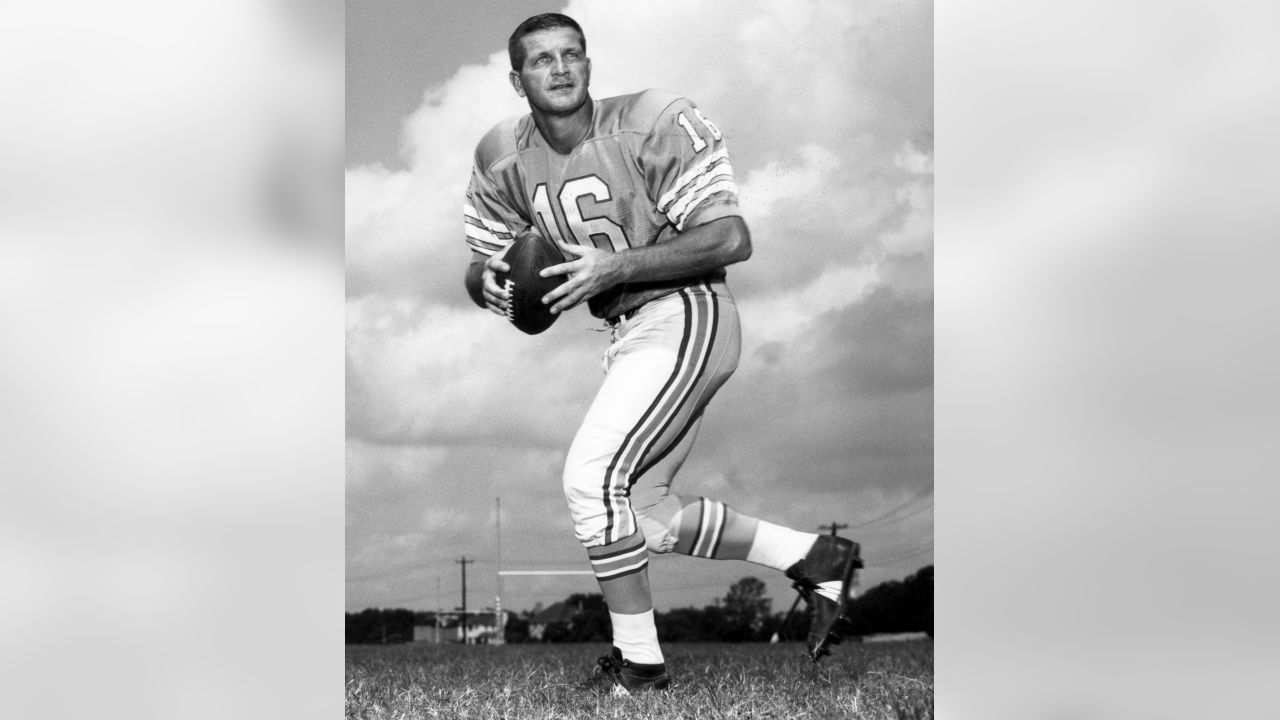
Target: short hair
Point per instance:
(545, 21)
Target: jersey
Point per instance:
(651, 166)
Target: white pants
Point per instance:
(663, 367)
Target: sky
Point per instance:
(827, 109)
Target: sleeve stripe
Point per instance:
(721, 186)
(500, 236)
(479, 233)
(496, 227)
(482, 241)
(483, 250)
(665, 201)
(693, 194)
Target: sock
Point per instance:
(710, 529)
(637, 637)
(622, 570)
(779, 547)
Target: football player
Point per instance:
(639, 193)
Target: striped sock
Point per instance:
(710, 529)
(622, 570)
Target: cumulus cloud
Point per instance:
(827, 110)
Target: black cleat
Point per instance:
(630, 678)
(830, 559)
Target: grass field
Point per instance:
(541, 682)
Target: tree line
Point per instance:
(743, 615)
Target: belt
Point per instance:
(627, 315)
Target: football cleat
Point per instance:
(629, 678)
(830, 560)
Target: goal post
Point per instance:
(546, 572)
(516, 573)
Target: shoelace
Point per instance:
(804, 586)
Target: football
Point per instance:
(528, 255)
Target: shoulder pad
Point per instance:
(641, 110)
(499, 142)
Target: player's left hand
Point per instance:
(591, 272)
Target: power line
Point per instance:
(887, 523)
(883, 562)
(928, 488)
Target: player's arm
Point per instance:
(481, 284)
(488, 220)
(694, 252)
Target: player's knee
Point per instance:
(589, 522)
(588, 507)
(658, 535)
(584, 506)
(580, 479)
(657, 511)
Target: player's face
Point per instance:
(556, 71)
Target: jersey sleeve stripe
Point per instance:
(485, 233)
(474, 230)
(476, 223)
(695, 192)
(497, 228)
(482, 240)
(728, 186)
(670, 197)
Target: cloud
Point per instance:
(827, 109)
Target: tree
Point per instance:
(379, 626)
(517, 629)
(591, 623)
(679, 625)
(692, 625)
(746, 609)
(895, 606)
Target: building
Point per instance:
(561, 612)
(482, 627)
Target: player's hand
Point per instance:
(495, 295)
(591, 272)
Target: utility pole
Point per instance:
(464, 561)
(834, 526)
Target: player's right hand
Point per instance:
(495, 295)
